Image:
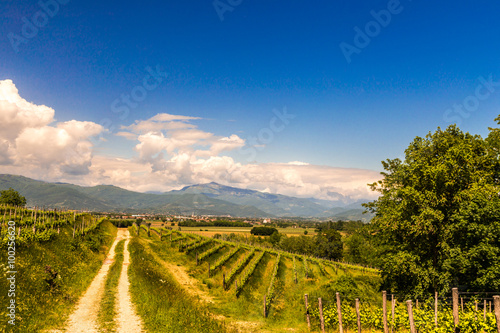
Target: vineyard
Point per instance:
(55, 255)
(261, 287)
(471, 318)
(42, 225)
(212, 285)
(266, 288)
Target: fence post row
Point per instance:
(384, 310)
(393, 311)
(410, 316)
(339, 313)
(321, 318)
(358, 315)
(454, 294)
(306, 299)
(436, 309)
(496, 300)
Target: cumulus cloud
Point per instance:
(29, 141)
(165, 139)
(306, 181)
(160, 122)
(170, 152)
(178, 153)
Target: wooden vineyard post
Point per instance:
(454, 294)
(224, 281)
(496, 300)
(384, 310)
(321, 318)
(265, 312)
(295, 277)
(339, 312)
(358, 316)
(436, 309)
(484, 310)
(410, 316)
(393, 311)
(475, 309)
(462, 303)
(306, 299)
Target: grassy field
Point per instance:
(210, 231)
(244, 313)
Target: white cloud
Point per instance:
(171, 153)
(298, 163)
(16, 114)
(171, 117)
(161, 122)
(175, 135)
(184, 169)
(29, 142)
(183, 154)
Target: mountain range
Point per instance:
(201, 199)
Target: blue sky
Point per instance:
(262, 56)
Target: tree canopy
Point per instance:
(439, 214)
(12, 197)
(263, 231)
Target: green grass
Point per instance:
(107, 311)
(161, 302)
(42, 306)
(287, 307)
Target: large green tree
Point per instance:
(12, 197)
(328, 244)
(439, 214)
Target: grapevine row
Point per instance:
(181, 237)
(248, 272)
(272, 286)
(39, 225)
(306, 269)
(321, 266)
(294, 270)
(197, 245)
(222, 260)
(210, 251)
(188, 244)
(238, 267)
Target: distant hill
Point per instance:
(273, 204)
(202, 199)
